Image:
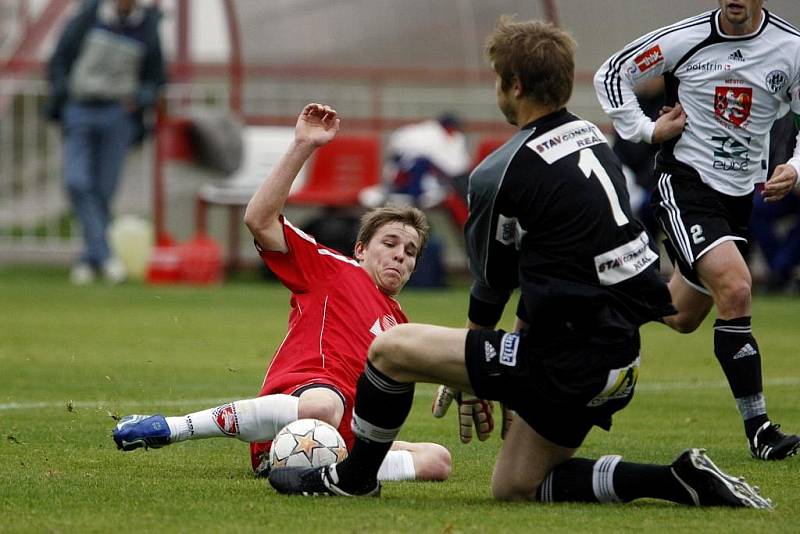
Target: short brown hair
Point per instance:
(539, 55)
(408, 215)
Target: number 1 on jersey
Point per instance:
(589, 164)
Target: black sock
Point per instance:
(737, 352)
(381, 407)
(610, 480)
(638, 481)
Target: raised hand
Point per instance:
(317, 125)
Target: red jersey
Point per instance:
(336, 312)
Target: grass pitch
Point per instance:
(71, 359)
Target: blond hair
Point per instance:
(539, 55)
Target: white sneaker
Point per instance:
(81, 274)
(114, 270)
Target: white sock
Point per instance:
(248, 420)
(398, 465)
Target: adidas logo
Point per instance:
(489, 350)
(745, 351)
(736, 56)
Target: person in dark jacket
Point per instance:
(105, 73)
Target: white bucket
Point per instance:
(131, 239)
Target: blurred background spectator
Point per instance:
(425, 158)
(775, 226)
(105, 72)
(427, 165)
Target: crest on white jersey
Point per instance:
(733, 103)
(776, 80)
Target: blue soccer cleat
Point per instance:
(135, 431)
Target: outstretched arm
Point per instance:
(316, 126)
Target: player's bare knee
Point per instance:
(434, 464)
(685, 323)
(387, 350)
(329, 412)
(509, 490)
(734, 298)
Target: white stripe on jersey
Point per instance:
(321, 251)
(683, 245)
(299, 232)
(783, 24)
(322, 329)
(326, 252)
(278, 351)
(611, 81)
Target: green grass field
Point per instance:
(73, 358)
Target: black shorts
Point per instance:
(560, 389)
(697, 218)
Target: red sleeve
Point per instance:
(305, 263)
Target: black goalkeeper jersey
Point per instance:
(549, 213)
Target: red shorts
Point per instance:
(295, 384)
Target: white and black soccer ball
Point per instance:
(307, 443)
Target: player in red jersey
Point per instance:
(338, 306)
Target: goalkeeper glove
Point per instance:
(472, 411)
(508, 418)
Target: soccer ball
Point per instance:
(307, 443)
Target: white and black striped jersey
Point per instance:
(549, 213)
(732, 89)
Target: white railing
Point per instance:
(36, 222)
(33, 212)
